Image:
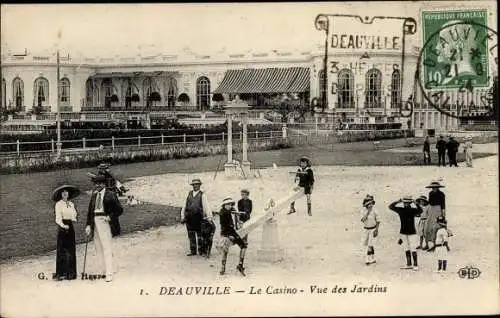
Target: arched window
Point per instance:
(18, 92)
(4, 94)
(396, 89)
(89, 93)
(149, 87)
(171, 92)
(345, 89)
(131, 92)
(41, 92)
(373, 88)
(65, 91)
(108, 92)
(203, 93)
(322, 86)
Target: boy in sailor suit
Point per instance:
(305, 176)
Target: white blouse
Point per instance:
(65, 211)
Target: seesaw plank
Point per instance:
(279, 206)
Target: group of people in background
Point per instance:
(102, 223)
(421, 219)
(450, 147)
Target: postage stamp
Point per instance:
(456, 48)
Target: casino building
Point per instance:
(369, 81)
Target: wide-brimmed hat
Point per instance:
(407, 198)
(99, 178)
(196, 181)
(73, 192)
(245, 191)
(103, 166)
(422, 198)
(369, 199)
(441, 220)
(228, 201)
(435, 184)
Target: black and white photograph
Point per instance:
(249, 159)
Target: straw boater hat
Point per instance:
(368, 200)
(435, 184)
(196, 181)
(228, 201)
(73, 192)
(103, 166)
(245, 191)
(422, 198)
(468, 137)
(408, 199)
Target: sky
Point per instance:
(147, 29)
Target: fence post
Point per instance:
(184, 138)
(83, 141)
(52, 144)
(113, 142)
(241, 137)
(271, 134)
(139, 140)
(162, 139)
(257, 135)
(204, 138)
(17, 146)
(222, 136)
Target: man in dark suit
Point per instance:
(102, 219)
(441, 148)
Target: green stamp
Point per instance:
(455, 49)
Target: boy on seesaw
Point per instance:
(305, 176)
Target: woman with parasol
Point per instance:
(65, 216)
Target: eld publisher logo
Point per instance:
(469, 272)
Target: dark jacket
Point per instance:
(441, 145)
(112, 207)
(306, 177)
(452, 146)
(406, 217)
(427, 146)
(245, 205)
(437, 198)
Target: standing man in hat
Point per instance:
(305, 176)
(371, 222)
(452, 147)
(407, 214)
(112, 183)
(193, 212)
(104, 207)
(468, 151)
(437, 208)
(441, 148)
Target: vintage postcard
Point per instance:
(249, 159)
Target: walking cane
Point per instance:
(85, 255)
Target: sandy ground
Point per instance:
(323, 250)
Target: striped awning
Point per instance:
(267, 80)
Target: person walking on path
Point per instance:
(468, 151)
(441, 148)
(305, 176)
(427, 151)
(104, 206)
(408, 238)
(437, 208)
(422, 221)
(66, 214)
(194, 210)
(229, 235)
(371, 222)
(452, 146)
